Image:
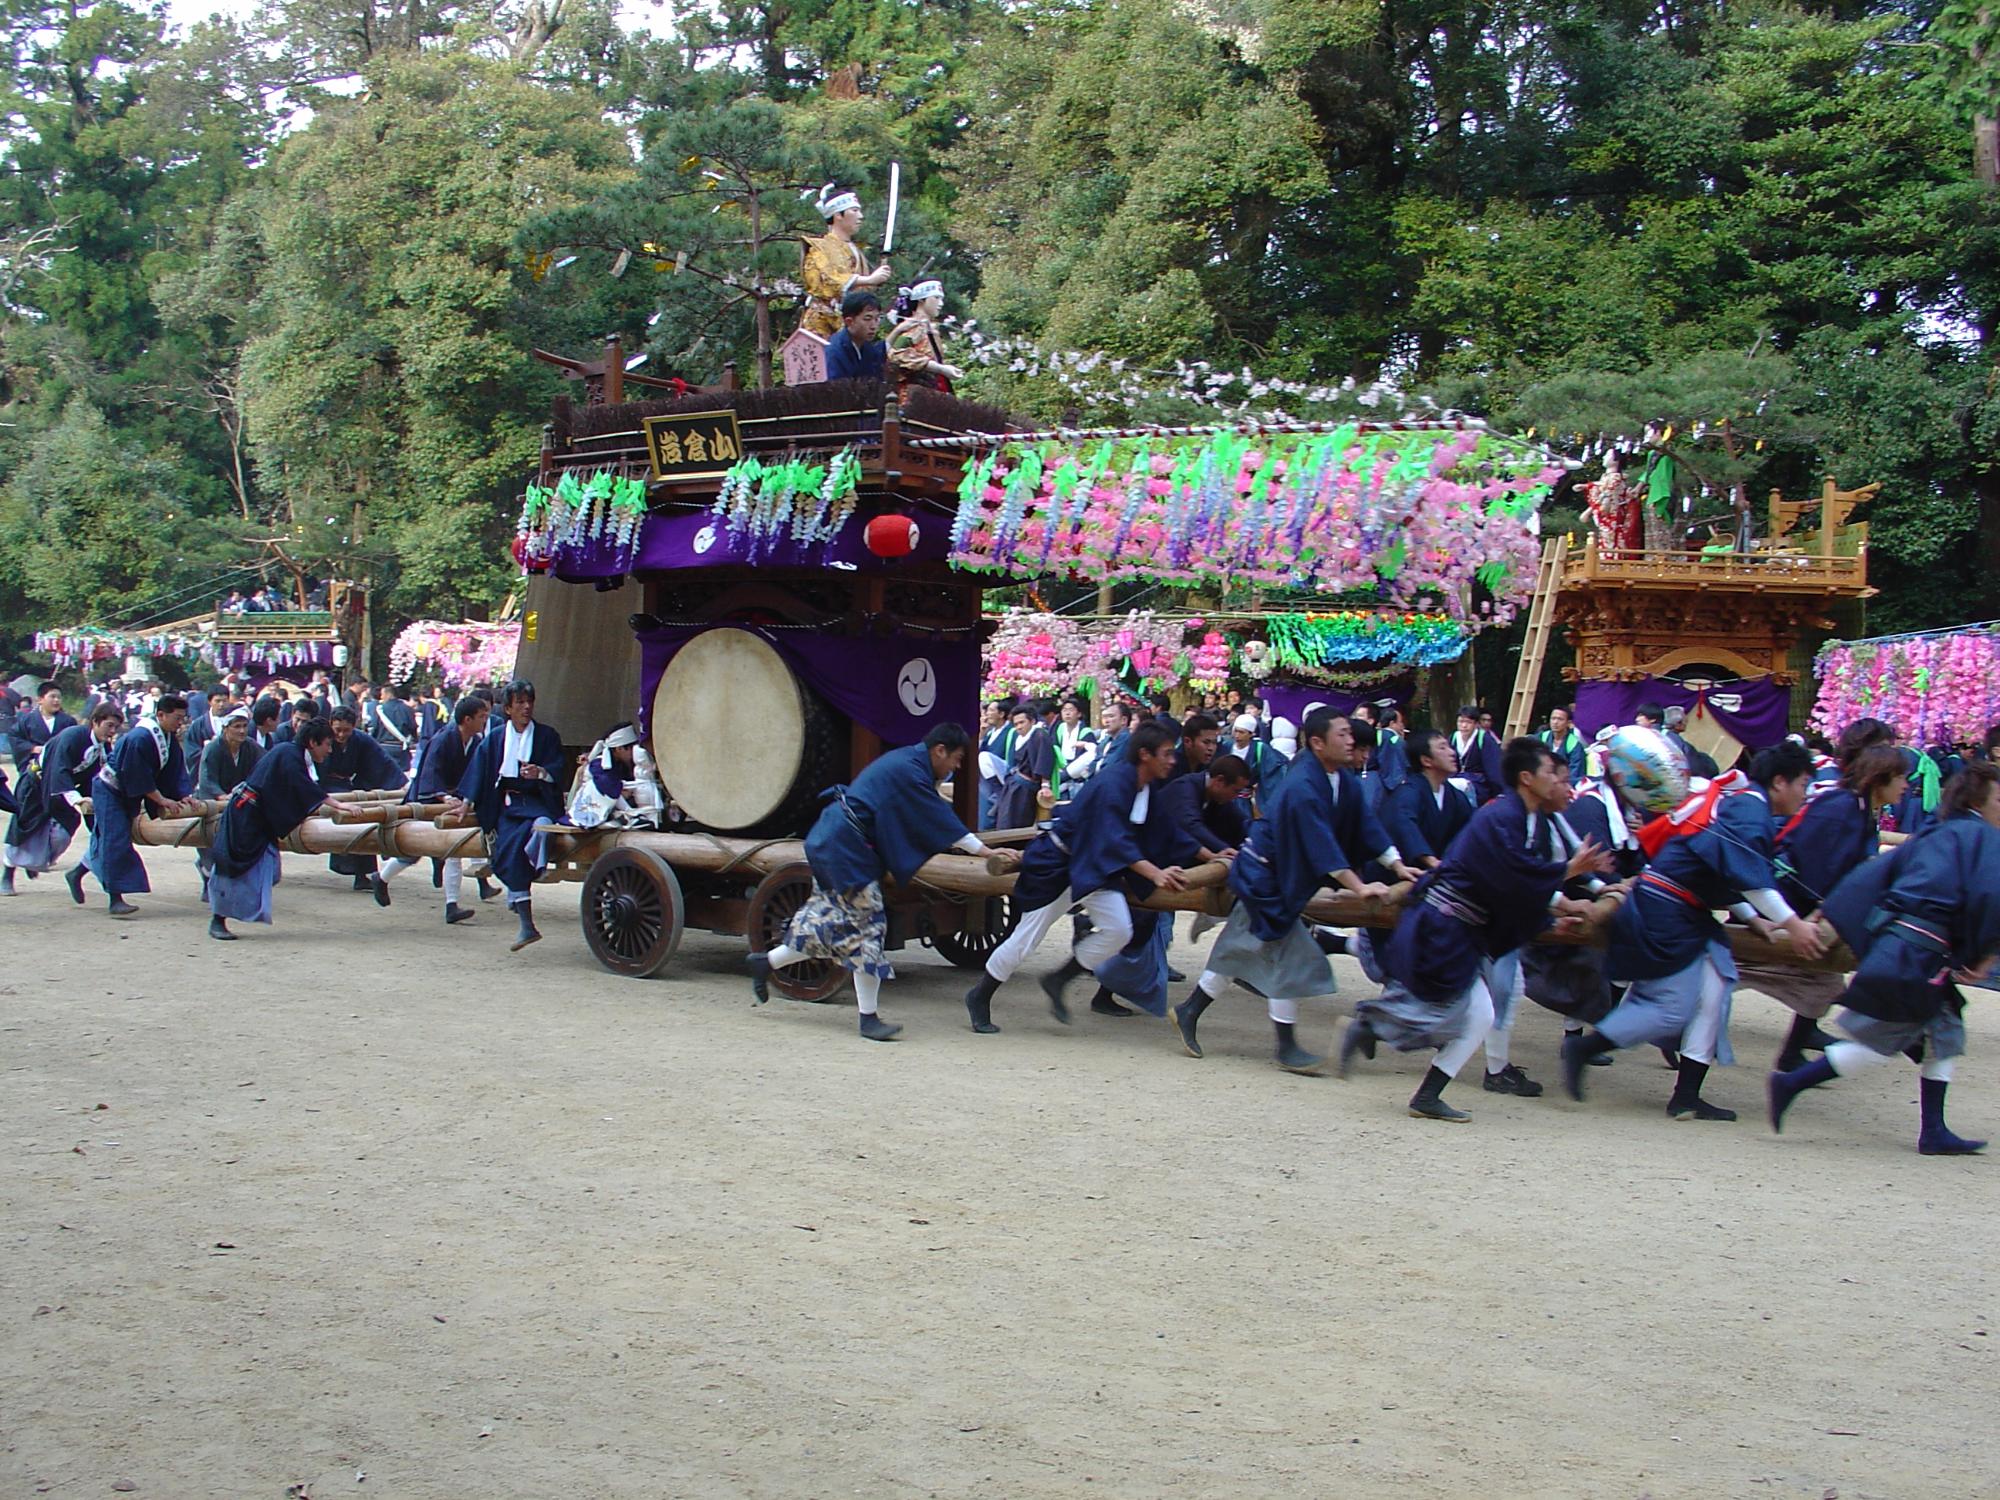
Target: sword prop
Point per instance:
(895, 202)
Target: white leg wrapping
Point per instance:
(782, 957)
(454, 879)
(391, 868)
(1704, 1032)
(867, 991)
(1849, 1058)
(1027, 937)
(1940, 1068)
(1110, 927)
(1286, 1011)
(1478, 1021)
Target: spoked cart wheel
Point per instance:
(970, 950)
(778, 896)
(633, 912)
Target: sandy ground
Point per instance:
(361, 1195)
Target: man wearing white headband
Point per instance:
(834, 265)
(916, 350)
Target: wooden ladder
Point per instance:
(1535, 649)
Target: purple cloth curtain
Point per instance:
(695, 539)
(1756, 710)
(1291, 699)
(299, 659)
(898, 686)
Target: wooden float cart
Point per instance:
(759, 675)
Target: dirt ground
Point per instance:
(364, 1196)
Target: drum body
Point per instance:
(742, 745)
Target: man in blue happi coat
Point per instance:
(357, 763)
(1561, 737)
(1088, 856)
(1920, 920)
(1444, 965)
(1193, 820)
(1714, 852)
(1478, 755)
(441, 763)
(146, 772)
(512, 782)
(51, 795)
(282, 790)
(1316, 829)
(882, 826)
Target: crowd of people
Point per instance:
(1478, 847)
(1483, 847)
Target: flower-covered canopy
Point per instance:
(1940, 686)
(1408, 513)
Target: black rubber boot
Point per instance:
(1426, 1103)
(7, 881)
(526, 912)
(219, 930)
(454, 914)
(1805, 1036)
(760, 976)
(1782, 1088)
(74, 880)
(487, 889)
(979, 1003)
(1358, 1038)
(1101, 1004)
(381, 889)
(120, 907)
(875, 1029)
(1187, 1015)
(1579, 1049)
(1936, 1140)
(1291, 1056)
(1687, 1103)
(437, 874)
(1054, 984)
(361, 884)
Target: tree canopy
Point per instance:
(281, 277)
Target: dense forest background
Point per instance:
(280, 277)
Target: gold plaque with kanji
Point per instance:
(693, 445)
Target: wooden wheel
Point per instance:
(970, 950)
(633, 912)
(778, 896)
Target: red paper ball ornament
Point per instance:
(891, 536)
(527, 564)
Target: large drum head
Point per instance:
(729, 729)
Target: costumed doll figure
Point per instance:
(916, 348)
(1615, 507)
(833, 264)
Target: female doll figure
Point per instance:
(916, 351)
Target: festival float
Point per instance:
(269, 644)
(1657, 614)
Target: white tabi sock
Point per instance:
(781, 956)
(1849, 1058)
(867, 991)
(1286, 1011)
(391, 868)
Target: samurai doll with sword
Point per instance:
(834, 265)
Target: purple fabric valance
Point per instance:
(1755, 710)
(898, 686)
(695, 539)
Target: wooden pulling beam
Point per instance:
(420, 835)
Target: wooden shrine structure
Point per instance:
(1635, 614)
